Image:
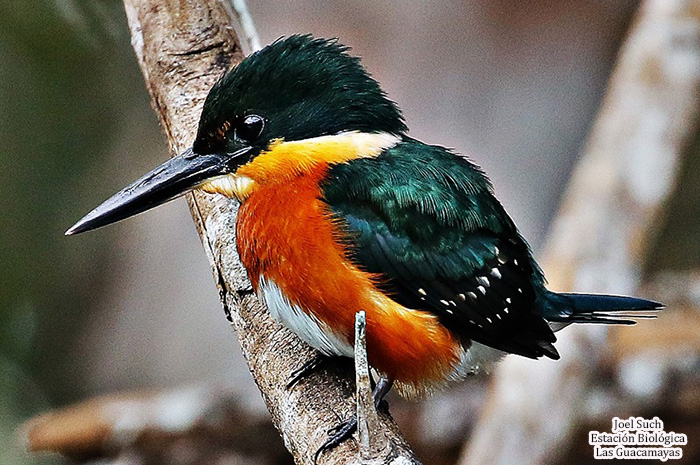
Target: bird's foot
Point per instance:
(344, 430)
(307, 368)
(337, 435)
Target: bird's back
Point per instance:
(426, 221)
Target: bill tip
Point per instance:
(75, 229)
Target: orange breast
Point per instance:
(285, 235)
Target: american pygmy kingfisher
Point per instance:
(342, 211)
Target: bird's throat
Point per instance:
(231, 185)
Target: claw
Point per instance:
(306, 369)
(338, 434)
(344, 430)
(341, 426)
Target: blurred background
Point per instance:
(514, 85)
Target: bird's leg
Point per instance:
(380, 391)
(307, 368)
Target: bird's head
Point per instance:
(295, 103)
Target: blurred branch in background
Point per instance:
(615, 202)
(186, 426)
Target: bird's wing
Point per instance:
(426, 222)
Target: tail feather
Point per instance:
(593, 308)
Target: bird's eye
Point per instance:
(250, 128)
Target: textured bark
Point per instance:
(183, 46)
(607, 220)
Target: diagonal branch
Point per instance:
(183, 46)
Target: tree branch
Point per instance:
(183, 46)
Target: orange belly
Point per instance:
(291, 247)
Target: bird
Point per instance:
(342, 211)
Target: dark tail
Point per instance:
(592, 308)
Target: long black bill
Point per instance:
(172, 179)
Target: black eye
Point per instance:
(250, 128)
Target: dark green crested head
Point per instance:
(294, 89)
(299, 87)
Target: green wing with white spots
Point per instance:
(426, 221)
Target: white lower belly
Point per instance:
(478, 358)
(305, 325)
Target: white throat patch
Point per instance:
(230, 185)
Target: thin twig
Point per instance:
(372, 440)
(250, 33)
